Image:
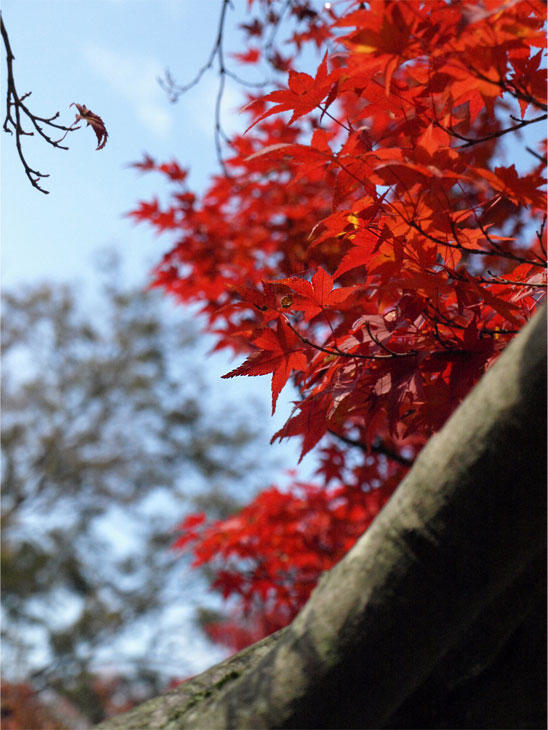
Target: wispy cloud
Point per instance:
(201, 109)
(135, 78)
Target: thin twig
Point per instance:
(341, 353)
(16, 109)
(509, 282)
(541, 158)
(175, 91)
(540, 233)
(276, 26)
(510, 88)
(469, 142)
(378, 447)
(471, 251)
(378, 342)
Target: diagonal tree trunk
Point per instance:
(435, 617)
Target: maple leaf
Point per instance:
(311, 422)
(94, 121)
(518, 188)
(317, 295)
(304, 93)
(252, 55)
(281, 352)
(173, 171)
(146, 164)
(364, 244)
(253, 29)
(188, 529)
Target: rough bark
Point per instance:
(433, 616)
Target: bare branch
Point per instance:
(17, 110)
(540, 158)
(175, 91)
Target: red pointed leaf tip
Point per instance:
(93, 120)
(280, 352)
(189, 530)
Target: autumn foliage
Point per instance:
(21, 708)
(377, 242)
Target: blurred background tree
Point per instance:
(109, 433)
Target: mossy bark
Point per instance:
(441, 591)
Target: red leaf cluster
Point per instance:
(270, 556)
(372, 244)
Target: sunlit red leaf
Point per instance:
(280, 352)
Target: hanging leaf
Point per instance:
(94, 121)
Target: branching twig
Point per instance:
(496, 279)
(276, 26)
(16, 110)
(510, 88)
(469, 142)
(378, 447)
(471, 251)
(341, 353)
(379, 343)
(540, 158)
(175, 91)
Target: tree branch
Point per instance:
(437, 588)
(469, 142)
(378, 447)
(175, 91)
(16, 109)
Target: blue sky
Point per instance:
(108, 55)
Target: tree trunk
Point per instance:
(436, 617)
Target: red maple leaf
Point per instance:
(281, 352)
(316, 295)
(304, 93)
(252, 55)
